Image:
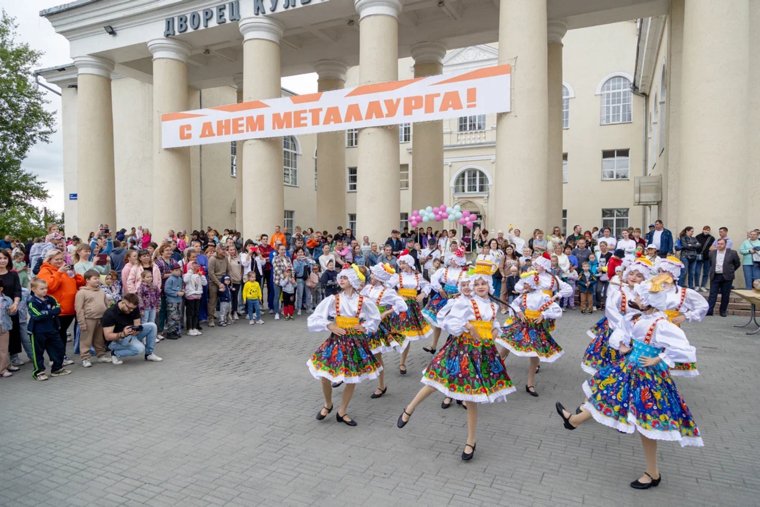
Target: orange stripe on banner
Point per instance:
(381, 87)
(499, 70)
(303, 99)
(242, 106)
(179, 116)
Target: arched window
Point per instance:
(289, 161)
(616, 100)
(471, 181)
(565, 107)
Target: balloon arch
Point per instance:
(441, 213)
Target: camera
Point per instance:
(136, 328)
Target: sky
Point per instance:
(46, 160)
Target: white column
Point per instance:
(171, 180)
(378, 194)
(95, 174)
(753, 166)
(262, 171)
(556, 30)
(331, 155)
(522, 134)
(427, 137)
(715, 141)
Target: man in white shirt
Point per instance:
(513, 235)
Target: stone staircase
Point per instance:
(736, 306)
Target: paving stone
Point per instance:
(228, 419)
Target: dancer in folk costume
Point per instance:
(390, 305)
(544, 280)
(444, 286)
(345, 355)
(684, 305)
(638, 393)
(598, 353)
(529, 334)
(465, 292)
(468, 367)
(413, 288)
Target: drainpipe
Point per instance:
(48, 88)
(645, 158)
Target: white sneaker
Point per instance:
(235, 316)
(259, 321)
(299, 312)
(276, 316)
(115, 359)
(153, 357)
(104, 359)
(67, 362)
(594, 308)
(86, 363)
(251, 322)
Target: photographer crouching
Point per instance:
(125, 333)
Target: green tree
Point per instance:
(23, 123)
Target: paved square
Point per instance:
(228, 419)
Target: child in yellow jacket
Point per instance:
(252, 298)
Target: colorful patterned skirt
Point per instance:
(598, 353)
(469, 369)
(630, 398)
(411, 324)
(530, 339)
(385, 339)
(344, 358)
(436, 303)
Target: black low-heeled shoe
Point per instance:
(429, 349)
(445, 405)
(401, 422)
(374, 396)
(468, 456)
(538, 368)
(461, 404)
(646, 485)
(337, 384)
(402, 370)
(342, 419)
(320, 415)
(566, 420)
(531, 390)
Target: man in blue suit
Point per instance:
(661, 238)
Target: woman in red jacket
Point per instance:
(63, 284)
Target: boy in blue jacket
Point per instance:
(43, 327)
(173, 289)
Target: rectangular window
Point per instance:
(289, 219)
(352, 222)
(615, 165)
(616, 219)
(564, 168)
(472, 123)
(564, 222)
(405, 133)
(233, 159)
(404, 222)
(351, 180)
(565, 112)
(352, 138)
(404, 176)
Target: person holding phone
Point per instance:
(83, 264)
(125, 334)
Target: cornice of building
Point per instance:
(647, 48)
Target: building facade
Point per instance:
(584, 121)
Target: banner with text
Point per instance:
(480, 91)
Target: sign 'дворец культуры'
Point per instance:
(228, 12)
